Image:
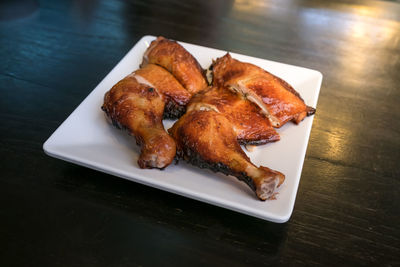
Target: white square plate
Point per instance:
(87, 139)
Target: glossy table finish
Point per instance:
(53, 213)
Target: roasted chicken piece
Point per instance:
(206, 139)
(136, 105)
(249, 124)
(175, 96)
(173, 57)
(278, 100)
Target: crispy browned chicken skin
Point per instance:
(278, 100)
(136, 106)
(206, 139)
(173, 57)
(217, 118)
(175, 95)
(249, 124)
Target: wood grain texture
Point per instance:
(57, 214)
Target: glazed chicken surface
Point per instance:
(177, 60)
(249, 124)
(207, 139)
(139, 108)
(242, 106)
(141, 100)
(175, 96)
(279, 101)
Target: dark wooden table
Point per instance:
(53, 213)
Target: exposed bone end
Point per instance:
(152, 162)
(157, 156)
(157, 152)
(266, 186)
(267, 189)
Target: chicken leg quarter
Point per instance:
(139, 108)
(206, 139)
